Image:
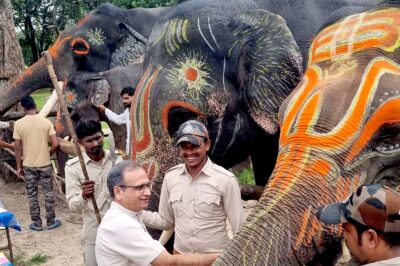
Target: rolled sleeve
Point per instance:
(155, 221)
(117, 119)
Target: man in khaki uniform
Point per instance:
(78, 190)
(31, 134)
(197, 197)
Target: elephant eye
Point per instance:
(80, 46)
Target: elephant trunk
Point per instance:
(283, 229)
(33, 78)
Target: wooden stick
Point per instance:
(71, 130)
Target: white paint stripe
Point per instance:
(223, 74)
(212, 35)
(198, 26)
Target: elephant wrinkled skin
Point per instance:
(339, 129)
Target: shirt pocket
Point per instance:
(208, 205)
(175, 199)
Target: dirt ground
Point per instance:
(61, 246)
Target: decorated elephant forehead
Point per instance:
(191, 74)
(378, 29)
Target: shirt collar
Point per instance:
(121, 208)
(87, 159)
(207, 168)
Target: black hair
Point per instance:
(392, 239)
(28, 103)
(87, 127)
(128, 90)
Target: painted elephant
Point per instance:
(227, 64)
(87, 88)
(340, 128)
(222, 62)
(106, 38)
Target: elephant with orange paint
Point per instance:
(340, 128)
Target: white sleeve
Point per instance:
(139, 247)
(117, 119)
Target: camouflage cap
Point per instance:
(191, 131)
(375, 206)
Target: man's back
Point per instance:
(34, 132)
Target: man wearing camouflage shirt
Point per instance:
(197, 197)
(370, 218)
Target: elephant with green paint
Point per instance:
(340, 128)
(106, 38)
(227, 64)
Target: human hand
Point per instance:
(20, 172)
(101, 108)
(87, 189)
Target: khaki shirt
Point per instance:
(34, 132)
(198, 208)
(73, 191)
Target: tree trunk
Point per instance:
(11, 64)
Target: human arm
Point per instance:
(117, 119)
(184, 259)
(54, 143)
(74, 190)
(155, 221)
(4, 144)
(233, 204)
(18, 157)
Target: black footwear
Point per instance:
(57, 223)
(34, 227)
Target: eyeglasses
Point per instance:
(140, 187)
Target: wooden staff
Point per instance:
(71, 130)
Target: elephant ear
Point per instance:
(270, 64)
(130, 48)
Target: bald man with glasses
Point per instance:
(122, 238)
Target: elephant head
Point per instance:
(105, 38)
(225, 64)
(340, 128)
(84, 90)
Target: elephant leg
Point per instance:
(263, 157)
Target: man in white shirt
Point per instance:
(126, 95)
(370, 219)
(122, 238)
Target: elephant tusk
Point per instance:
(48, 106)
(165, 236)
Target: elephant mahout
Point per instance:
(107, 37)
(339, 129)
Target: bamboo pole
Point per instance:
(71, 130)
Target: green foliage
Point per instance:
(246, 176)
(38, 22)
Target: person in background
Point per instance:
(31, 134)
(126, 95)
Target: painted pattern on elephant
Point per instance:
(338, 130)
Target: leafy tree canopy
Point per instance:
(38, 22)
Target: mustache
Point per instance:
(97, 149)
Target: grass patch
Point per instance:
(37, 259)
(40, 97)
(246, 176)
